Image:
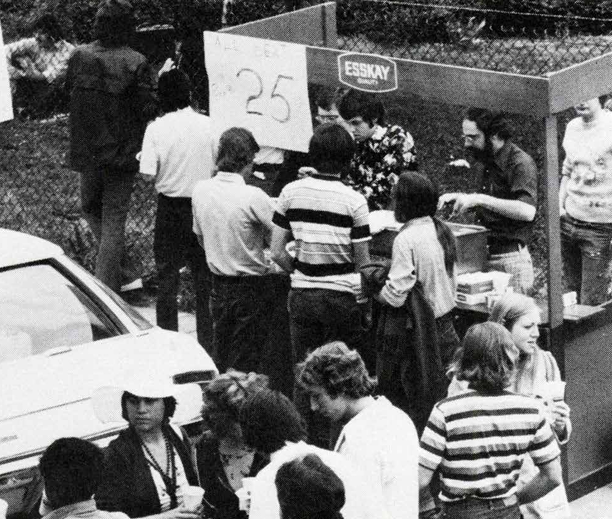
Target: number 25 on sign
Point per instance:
(260, 85)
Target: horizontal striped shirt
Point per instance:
(326, 218)
(479, 440)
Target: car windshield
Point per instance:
(42, 310)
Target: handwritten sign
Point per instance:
(6, 102)
(260, 85)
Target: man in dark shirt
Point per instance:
(112, 96)
(507, 201)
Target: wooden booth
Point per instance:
(579, 337)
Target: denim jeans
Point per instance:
(105, 201)
(175, 245)
(481, 509)
(517, 263)
(240, 310)
(586, 252)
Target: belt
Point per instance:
(504, 501)
(238, 280)
(504, 247)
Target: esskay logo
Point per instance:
(367, 72)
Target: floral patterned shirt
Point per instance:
(378, 163)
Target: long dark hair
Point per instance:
(417, 196)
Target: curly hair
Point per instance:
(309, 489)
(490, 123)
(336, 369)
(486, 358)
(269, 419)
(224, 396)
(362, 104)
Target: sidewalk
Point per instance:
(596, 505)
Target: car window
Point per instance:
(41, 309)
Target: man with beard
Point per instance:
(507, 201)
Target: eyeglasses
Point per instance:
(330, 118)
(470, 137)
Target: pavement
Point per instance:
(596, 505)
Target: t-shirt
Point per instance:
(382, 441)
(235, 223)
(588, 166)
(511, 174)
(326, 218)
(479, 440)
(179, 149)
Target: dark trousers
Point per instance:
(175, 245)
(240, 310)
(586, 252)
(105, 201)
(482, 509)
(316, 317)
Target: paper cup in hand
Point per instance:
(3, 508)
(553, 391)
(192, 497)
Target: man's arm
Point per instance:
(548, 478)
(513, 209)
(280, 238)
(361, 252)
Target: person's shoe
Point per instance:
(133, 285)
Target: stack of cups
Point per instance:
(192, 497)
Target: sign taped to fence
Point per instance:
(6, 102)
(367, 72)
(261, 85)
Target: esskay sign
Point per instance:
(367, 72)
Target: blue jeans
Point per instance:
(175, 245)
(481, 509)
(586, 252)
(105, 201)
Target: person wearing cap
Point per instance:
(308, 489)
(70, 468)
(149, 465)
(376, 436)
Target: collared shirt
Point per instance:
(511, 174)
(179, 150)
(28, 58)
(588, 166)
(325, 218)
(235, 222)
(479, 440)
(83, 510)
(382, 441)
(419, 256)
(359, 504)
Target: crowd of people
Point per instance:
(381, 410)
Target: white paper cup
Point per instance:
(3, 508)
(192, 497)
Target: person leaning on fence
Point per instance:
(37, 67)
(383, 151)
(233, 223)
(112, 97)
(179, 150)
(508, 199)
(585, 202)
(479, 478)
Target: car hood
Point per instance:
(48, 396)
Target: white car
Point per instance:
(63, 334)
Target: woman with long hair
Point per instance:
(423, 267)
(223, 458)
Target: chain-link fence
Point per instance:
(40, 195)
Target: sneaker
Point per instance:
(133, 285)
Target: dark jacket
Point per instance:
(217, 490)
(409, 365)
(112, 96)
(127, 484)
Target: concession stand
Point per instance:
(580, 337)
